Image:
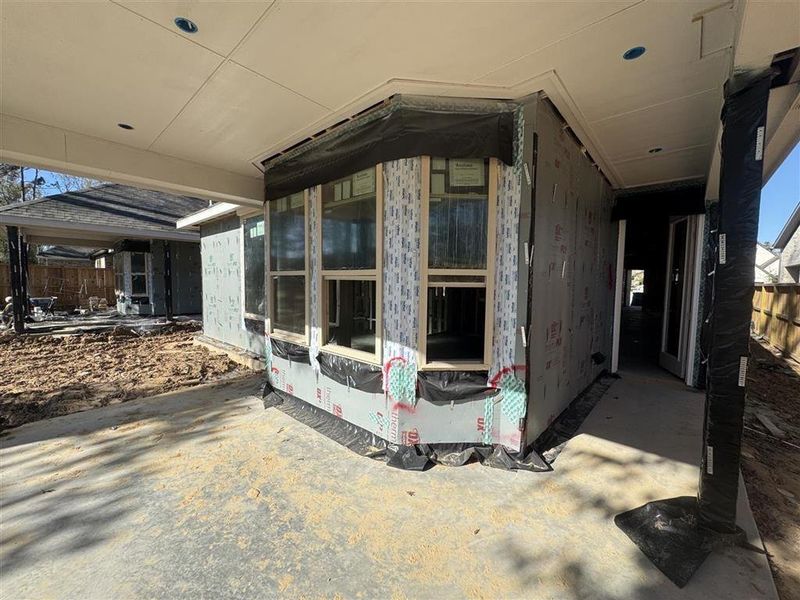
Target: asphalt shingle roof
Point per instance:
(110, 204)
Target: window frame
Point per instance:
(245, 216)
(376, 275)
(425, 273)
(146, 274)
(269, 274)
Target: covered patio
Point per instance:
(177, 496)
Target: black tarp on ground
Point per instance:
(412, 458)
(677, 534)
(404, 127)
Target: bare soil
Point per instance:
(771, 465)
(47, 376)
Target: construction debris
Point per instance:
(50, 375)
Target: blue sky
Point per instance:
(779, 197)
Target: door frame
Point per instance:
(678, 364)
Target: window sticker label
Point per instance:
(364, 182)
(466, 173)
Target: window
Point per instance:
(458, 208)
(139, 274)
(288, 267)
(253, 235)
(350, 233)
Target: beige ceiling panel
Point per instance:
(674, 125)
(220, 25)
(661, 168)
(86, 66)
(768, 28)
(235, 116)
(336, 52)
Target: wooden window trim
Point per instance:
(280, 334)
(375, 274)
(425, 273)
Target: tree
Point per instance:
(22, 183)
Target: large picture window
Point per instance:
(253, 232)
(288, 267)
(458, 215)
(350, 233)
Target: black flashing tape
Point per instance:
(744, 118)
(407, 126)
(454, 386)
(289, 351)
(415, 458)
(352, 373)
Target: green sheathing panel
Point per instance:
(220, 248)
(573, 273)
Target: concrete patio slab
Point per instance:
(204, 493)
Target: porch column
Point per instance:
(14, 265)
(23, 273)
(678, 534)
(744, 120)
(168, 280)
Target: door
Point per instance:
(677, 295)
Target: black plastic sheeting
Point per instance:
(744, 120)
(419, 457)
(404, 127)
(289, 351)
(132, 246)
(678, 534)
(254, 325)
(552, 440)
(352, 373)
(453, 386)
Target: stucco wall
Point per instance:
(220, 248)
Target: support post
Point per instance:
(618, 295)
(14, 266)
(168, 280)
(23, 273)
(678, 534)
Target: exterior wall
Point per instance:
(790, 260)
(398, 414)
(187, 288)
(767, 265)
(223, 311)
(574, 260)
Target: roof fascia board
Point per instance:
(128, 232)
(209, 214)
(34, 144)
(789, 228)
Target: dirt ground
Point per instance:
(771, 465)
(47, 376)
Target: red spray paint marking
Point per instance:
(401, 407)
(337, 410)
(410, 437)
(387, 366)
(495, 381)
(481, 424)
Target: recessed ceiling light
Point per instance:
(185, 25)
(655, 150)
(634, 53)
(124, 126)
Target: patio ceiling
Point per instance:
(259, 76)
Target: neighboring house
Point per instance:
(137, 227)
(767, 264)
(788, 243)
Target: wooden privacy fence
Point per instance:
(72, 285)
(776, 316)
